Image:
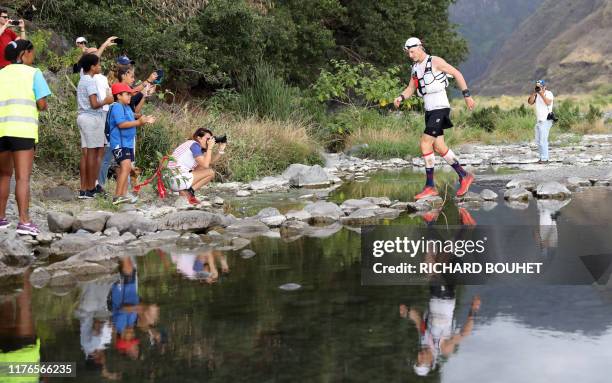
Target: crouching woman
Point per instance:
(191, 164)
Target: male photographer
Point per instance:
(7, 34)
(543, 100)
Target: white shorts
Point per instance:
(181, 181)
(91, 127)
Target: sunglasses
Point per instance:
(4, 16)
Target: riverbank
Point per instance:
(81, 239)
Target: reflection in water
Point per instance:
(163, 318)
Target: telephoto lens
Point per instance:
(221, 139)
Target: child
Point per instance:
(122, 126)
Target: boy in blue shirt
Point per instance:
(122, 126)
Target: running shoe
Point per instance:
(428, 191)
(85, 194)
(4, 223)
(98, 190)
(28, 229)
(132, 197)
(465, 185)
(431, 216)
(120, 199)
(192, 199)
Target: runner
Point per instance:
(429, 80)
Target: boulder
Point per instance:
(293, 170)
(488, 195)
(293, 229)
(141, 225)
(517, 194)
(361, 217)
(380, 201)
(299, 215)
(93, 221)
(401, 206)
(521, 184)
(59, 222)
(552, 189)
(313, 176)
(268, 183)
(79, 270)
(324, 212)
(248, 227)
(271, 217)
(162, 237)
(470, 197)
(243, 193)
(189, 220)
(425, 204)
(73, 243)
(13, 246)
(574, 183)
(218, 201)
(351, 205)
(122, 221)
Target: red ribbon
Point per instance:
(161, 188)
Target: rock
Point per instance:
(111, 231)
(470, 197)
(574, 183)
(489, 205)
(79, 270)
(181, 203)
(293, 170)
(299, 215)
(401, 206)
(324, 231)
(121, 221)
(425, 204)
(141, 225)
(521, 184)
(247, 253)
(488, 195)
(313, 176)
(268, 183)
(517, 205)
(351, 205)
(103, 254)
(361, 217)
(44, 238)
(162, 237)
(11, 245)
(517, 194)
(290, 287)
(597, 183)
(293, 228)
(189, 240)
(324, 212)
(386, 213)
(380, 201)
(248, 227)
(128, 237)
(59, 193)
(62, 278)
(552, 189)
(59, 222)
(189, 220)
(243, 193)
(271, 217)
(73, 243)
(218, 201)
(91, 221)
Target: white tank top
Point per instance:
(183, 158)
(434, 84)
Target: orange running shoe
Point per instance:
(465, 185)
(428, 191)
(466, 218)
(192, 199)
(431, 216)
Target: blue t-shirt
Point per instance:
(121, 138)
(41, 88)
(196, 149)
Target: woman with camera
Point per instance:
(191, 163)
(7, 34)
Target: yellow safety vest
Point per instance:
(18, 112)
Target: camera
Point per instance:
(118, 41)
(221, 139)
(538, 89)
(14, 23)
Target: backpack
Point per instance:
(107, 125)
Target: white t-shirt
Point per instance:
(542, 109)
(103, 89)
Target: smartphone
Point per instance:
(160, 76)
(118, 41)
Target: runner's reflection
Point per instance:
(201, 266)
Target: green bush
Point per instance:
(568, 115)
(593, 114)
(485, 118)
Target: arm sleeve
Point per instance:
(41, 88)
(196, 149)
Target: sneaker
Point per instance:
(431, 216)
(193, 200)
(120, 199)
(466, 218)
(131, 197)
(4, 223)
(465, 185)
(28, 229)
(98, 190)
(85, 194)
(428, 191)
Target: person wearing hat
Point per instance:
(24, 93)
(7, 34)
(429, 81)
(122, 131)
(543, 100)
(81, 43)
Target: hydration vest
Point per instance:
(430, 82)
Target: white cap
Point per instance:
(421, 370)
(412, 42)
(81, 40)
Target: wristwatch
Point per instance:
(466, 93)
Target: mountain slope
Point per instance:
(566, 42)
